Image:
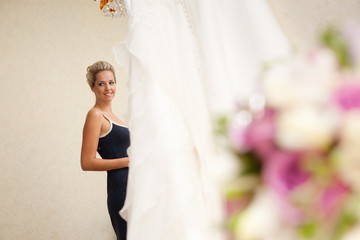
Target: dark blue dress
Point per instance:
(114, 145)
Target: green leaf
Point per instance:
(222, 125)
(251, 164)
(333, 40)
(346, 221)
(234, 193)
(234, 221)
(309, 230)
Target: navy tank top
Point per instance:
(114, 144)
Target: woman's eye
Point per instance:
(100, 84)
(112, 83)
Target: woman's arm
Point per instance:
(91, 133)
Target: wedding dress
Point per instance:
(179, 55)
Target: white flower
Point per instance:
(277, 86)
(353, 234)
(262, 220)
(349, 151)
(309, 79)
(306, 128)
(323, 66)
(350, 131)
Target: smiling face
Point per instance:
(105, 86)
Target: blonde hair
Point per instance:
(95, 69)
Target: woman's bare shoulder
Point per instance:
(93, 115)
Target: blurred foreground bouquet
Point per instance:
(298, 144)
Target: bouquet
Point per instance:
(298, 145)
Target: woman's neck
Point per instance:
(104, 107)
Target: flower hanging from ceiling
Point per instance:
(113, 8)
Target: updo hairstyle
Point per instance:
(95, 69)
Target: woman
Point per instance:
(107, 134)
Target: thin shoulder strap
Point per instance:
(106, 116)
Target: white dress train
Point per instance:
(176, 79)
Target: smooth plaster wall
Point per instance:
(45, 47)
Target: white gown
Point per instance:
(177, 78)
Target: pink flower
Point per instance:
(261, 133)
(283, 173)
(257, 135)
(232, 206)
(332, 196)
(236, 135)
(347, 96)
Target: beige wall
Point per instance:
(45, 47)
(303, 20)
